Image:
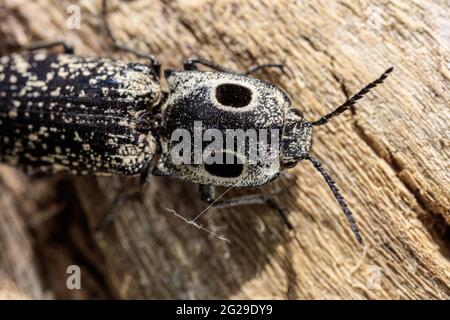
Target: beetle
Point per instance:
(62, 113)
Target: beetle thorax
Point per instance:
(222, 129)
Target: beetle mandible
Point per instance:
(61, 113)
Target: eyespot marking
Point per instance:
(225, 170)
(233, 95)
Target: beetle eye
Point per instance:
(233, 95)
(225, 170)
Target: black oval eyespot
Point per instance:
(233, 95)
(225, 170)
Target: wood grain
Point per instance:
(389, 157)
(19, 270)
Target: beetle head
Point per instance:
(297, 138)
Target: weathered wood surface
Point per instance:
(389, 156)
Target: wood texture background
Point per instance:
(390, 157)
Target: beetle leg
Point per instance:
(39, 45)
(122, 195)
(50, 44)
(192, 62)
(256, 68)
(207, 194)
(153, 61)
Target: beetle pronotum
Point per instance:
(61, 113)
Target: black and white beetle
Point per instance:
(61, 113)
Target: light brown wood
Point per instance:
(389, 157)
(19, 274)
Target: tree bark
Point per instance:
(389, 157)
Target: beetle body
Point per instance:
(61, 113)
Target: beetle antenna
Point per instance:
(338, 196)
(352, 100)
